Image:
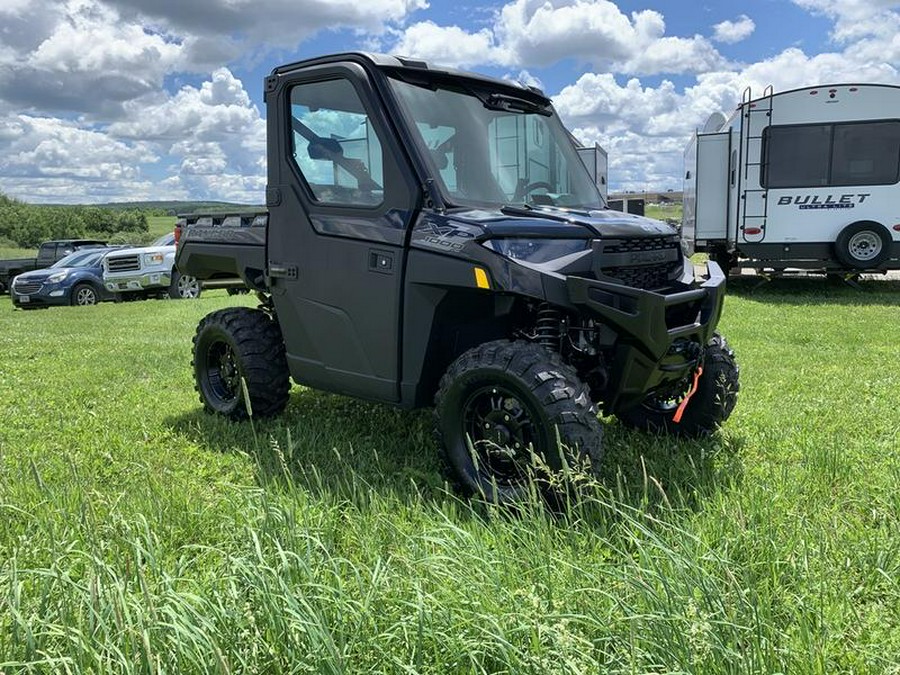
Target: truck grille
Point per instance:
(28, 287)
(647, 263)
(125, 263)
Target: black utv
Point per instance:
(432, 238)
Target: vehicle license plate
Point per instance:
(24, 298)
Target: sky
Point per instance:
(127, 100)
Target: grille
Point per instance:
(647, 278)
(641, 244)
(28, 287)
(647, 275)
(125, 263)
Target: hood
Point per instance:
(165, 250)
(41, 275)
(556, 222)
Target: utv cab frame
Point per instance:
(432, 238)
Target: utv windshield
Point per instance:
(493, 148)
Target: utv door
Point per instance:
(341, 197)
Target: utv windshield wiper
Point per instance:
(514, 104)
(531, 212)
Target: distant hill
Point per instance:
(651, 197)
(176, 207)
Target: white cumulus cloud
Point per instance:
(730, 32)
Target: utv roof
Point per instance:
(413, 67)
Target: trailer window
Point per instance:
(866, 154)
(335, 145)
(824, 155)
(796, 156)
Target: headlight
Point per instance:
(56, 277)
(153, 258)
(537, 250)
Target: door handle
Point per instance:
(283, 270)
(381, 261)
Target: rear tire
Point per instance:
(863, 245)
(237, 344)
(184, 286)
(709, 407)
(497, 400)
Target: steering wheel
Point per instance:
(522, 190)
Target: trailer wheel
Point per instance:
(708, 408)
(509, 411)
(238, 344)
(863, 245)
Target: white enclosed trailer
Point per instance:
(803, 179)
(597, 163)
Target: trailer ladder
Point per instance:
(756, 116)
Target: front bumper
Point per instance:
(49, 295)
(660, 333)
(123, 283)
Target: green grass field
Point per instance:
(664, 211)
(6, 253)
(138, 534)
(160, 225)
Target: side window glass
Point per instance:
(47, 252)
(796, 156)
(335, 145)
(866, 154)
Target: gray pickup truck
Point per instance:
(48, 253)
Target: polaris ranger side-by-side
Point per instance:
(432, 238)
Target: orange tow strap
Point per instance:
(691, 392)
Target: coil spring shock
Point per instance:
(547, 330)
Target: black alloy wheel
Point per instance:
(240, 348)
(509, 413)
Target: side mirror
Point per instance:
(325, 148)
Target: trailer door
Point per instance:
(713, 152)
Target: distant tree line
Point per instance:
(27, 225)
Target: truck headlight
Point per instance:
(56, 277)
(537, 250)
(153, 258)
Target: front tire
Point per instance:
(708, 408)
(184, 286)
(502, 400)
(238, 344)
(84, 295)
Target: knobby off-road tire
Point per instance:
(708, 408)
(500, 399)
(240, 343)
(184, 286)
(84, 295)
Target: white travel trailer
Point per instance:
(597, 163)
(803, 179)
